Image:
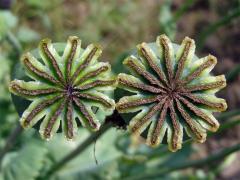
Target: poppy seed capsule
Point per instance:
(65, 88)
(174, 92)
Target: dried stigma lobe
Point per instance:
(65, 88)
(174, 92)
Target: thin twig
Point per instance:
(94, 152)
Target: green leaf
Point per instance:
(105, 152)
(8, 115)
(42, 4)
(24, 164)
(4, 77)
(165, 18)
(7, 21)
(26, 34)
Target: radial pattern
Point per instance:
(65, 87)
(174, 92)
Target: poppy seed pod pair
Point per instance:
(173, 90)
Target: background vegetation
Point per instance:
(118, 26)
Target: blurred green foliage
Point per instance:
(118, 26)
(7, 21)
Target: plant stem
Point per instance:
(14, 42)
(189, 164)
(11, 140)
(214, 26)
(233, 73)
(227, 125)
(183, 9)
(228, 114)
(91, 139)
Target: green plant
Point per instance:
(116, 153)
(69, 86)
(174, 91)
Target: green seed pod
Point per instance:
(174, 92)
(66, 86)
